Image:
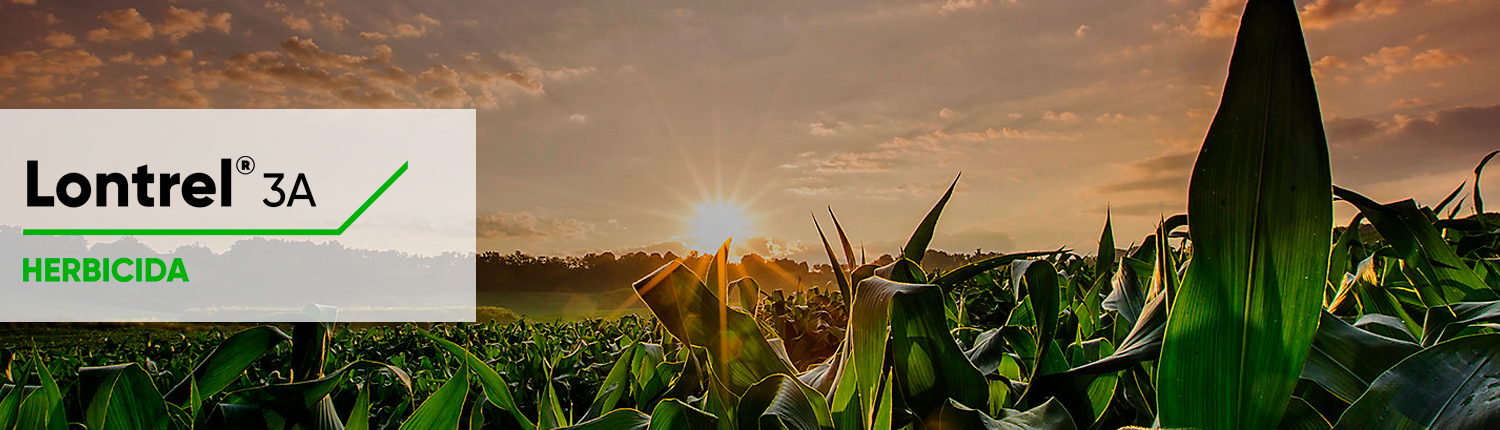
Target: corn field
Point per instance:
(1253, 310)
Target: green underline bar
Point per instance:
(222, 231)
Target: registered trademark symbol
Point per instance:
(245, 165)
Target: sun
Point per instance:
(713, 222)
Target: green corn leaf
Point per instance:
(673, 414)
(749, 294)
(916, 247)
(843, 239)
(359, 416)
(618, 419)
(1240, 326)
(121, 397)
(1444, 277)
(1301, 415)
(549, 407)
(845, 404)
(1049, 416)
(7, 358)
(1449, 199)
(10, 400)
(1142, 344)
(838, 272)
(1344, 359)
(615, 385)
(905, 320)
(781, 401)
(305, 403)
(1164, 274)
(495, 388)
(1448, 386)
(1347, 245)
(692, 315)
(1444, 324)
(1104, 260)
(1479, 199)
(904, 271)
(1036, 281)
(443, 409)
(227, 361)
(717, 276)
(1126, 297)
(43, 408)
(1385, 325)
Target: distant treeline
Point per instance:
(607, 272)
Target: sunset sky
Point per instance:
(607, 125)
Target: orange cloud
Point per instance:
(122, 24)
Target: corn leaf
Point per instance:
(1344, 359)
(1049, 416)
(618, 419)
(444, 408)
(1444, 278)
(916, 247)
(904, 320)
(1259, 213)
(121, 397)
(43, 408)
(781, 401)
(1448, 386)
(693, 315)
(1443, 324)
(227, 361)
(673, 414)
(495, 388)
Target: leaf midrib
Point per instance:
(1250, 290)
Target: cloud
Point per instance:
(947, 113)
(1082, 31)
(1221, 18)
(404, 30)
(771, 247)
(1164, 173)
(958, 5)
(1322, 14)
(1375, 150)
(578, 118)
(1392, 61)
(332, 21)
(1343, 130)
(1112, 118)
(51, 61)
(525, 225)
(181, 93)
(129, 24)
(59, 40)
(180, 22)
(308, 52)
(1464, 126)
(938, 146)
(122, 24)
(1065, 116)
(302, 73)
(1217, 18)
(826, 130)
(1411, 102)
(1328, 64)
(297, 23)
